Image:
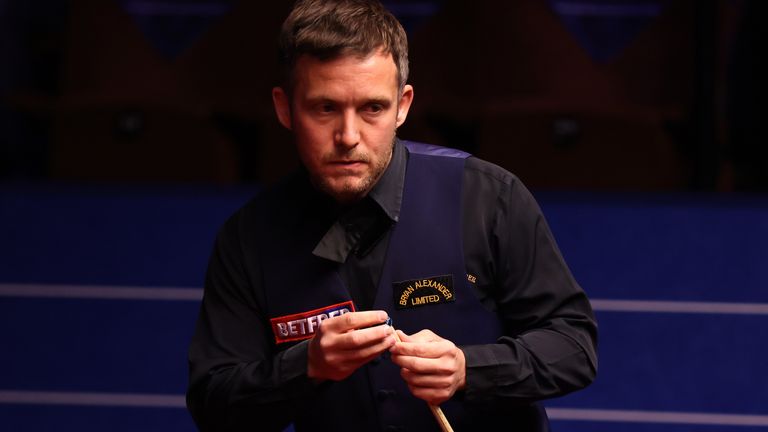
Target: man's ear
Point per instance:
(282, 106)
(404, 104)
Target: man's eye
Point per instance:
(325, 108)
(375, 108)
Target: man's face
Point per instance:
(343, 114)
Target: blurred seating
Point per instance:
(509, 82)
(126, 112)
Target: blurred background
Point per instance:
(131, 129)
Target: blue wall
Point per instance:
(119, 353)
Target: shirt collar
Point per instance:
(388, 191)
(387, 194)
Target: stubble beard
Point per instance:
(351, 190)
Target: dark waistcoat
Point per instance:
(423, 286)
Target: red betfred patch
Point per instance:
(303, 325)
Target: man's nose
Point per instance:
(348, 133)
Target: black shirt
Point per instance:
(549, 347)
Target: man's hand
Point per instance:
(344, 343)
(433, 367)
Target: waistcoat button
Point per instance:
(383, 395)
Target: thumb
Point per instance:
(403, 337)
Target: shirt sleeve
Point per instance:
(549, 345)
(234, 378)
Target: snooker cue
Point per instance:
(436, 411)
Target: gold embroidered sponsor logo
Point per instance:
(424, 291)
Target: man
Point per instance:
(302, 280)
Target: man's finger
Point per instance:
(357, 339)
(422, 365)
(424, 335)
(421, 349)
(425, 380)
(366, 354)
(355, 320)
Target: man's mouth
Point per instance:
(347, 163)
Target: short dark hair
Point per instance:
(326, 29)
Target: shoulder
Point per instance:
(273, 206)
(491, 186)
(475, 169)
(480, 171)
